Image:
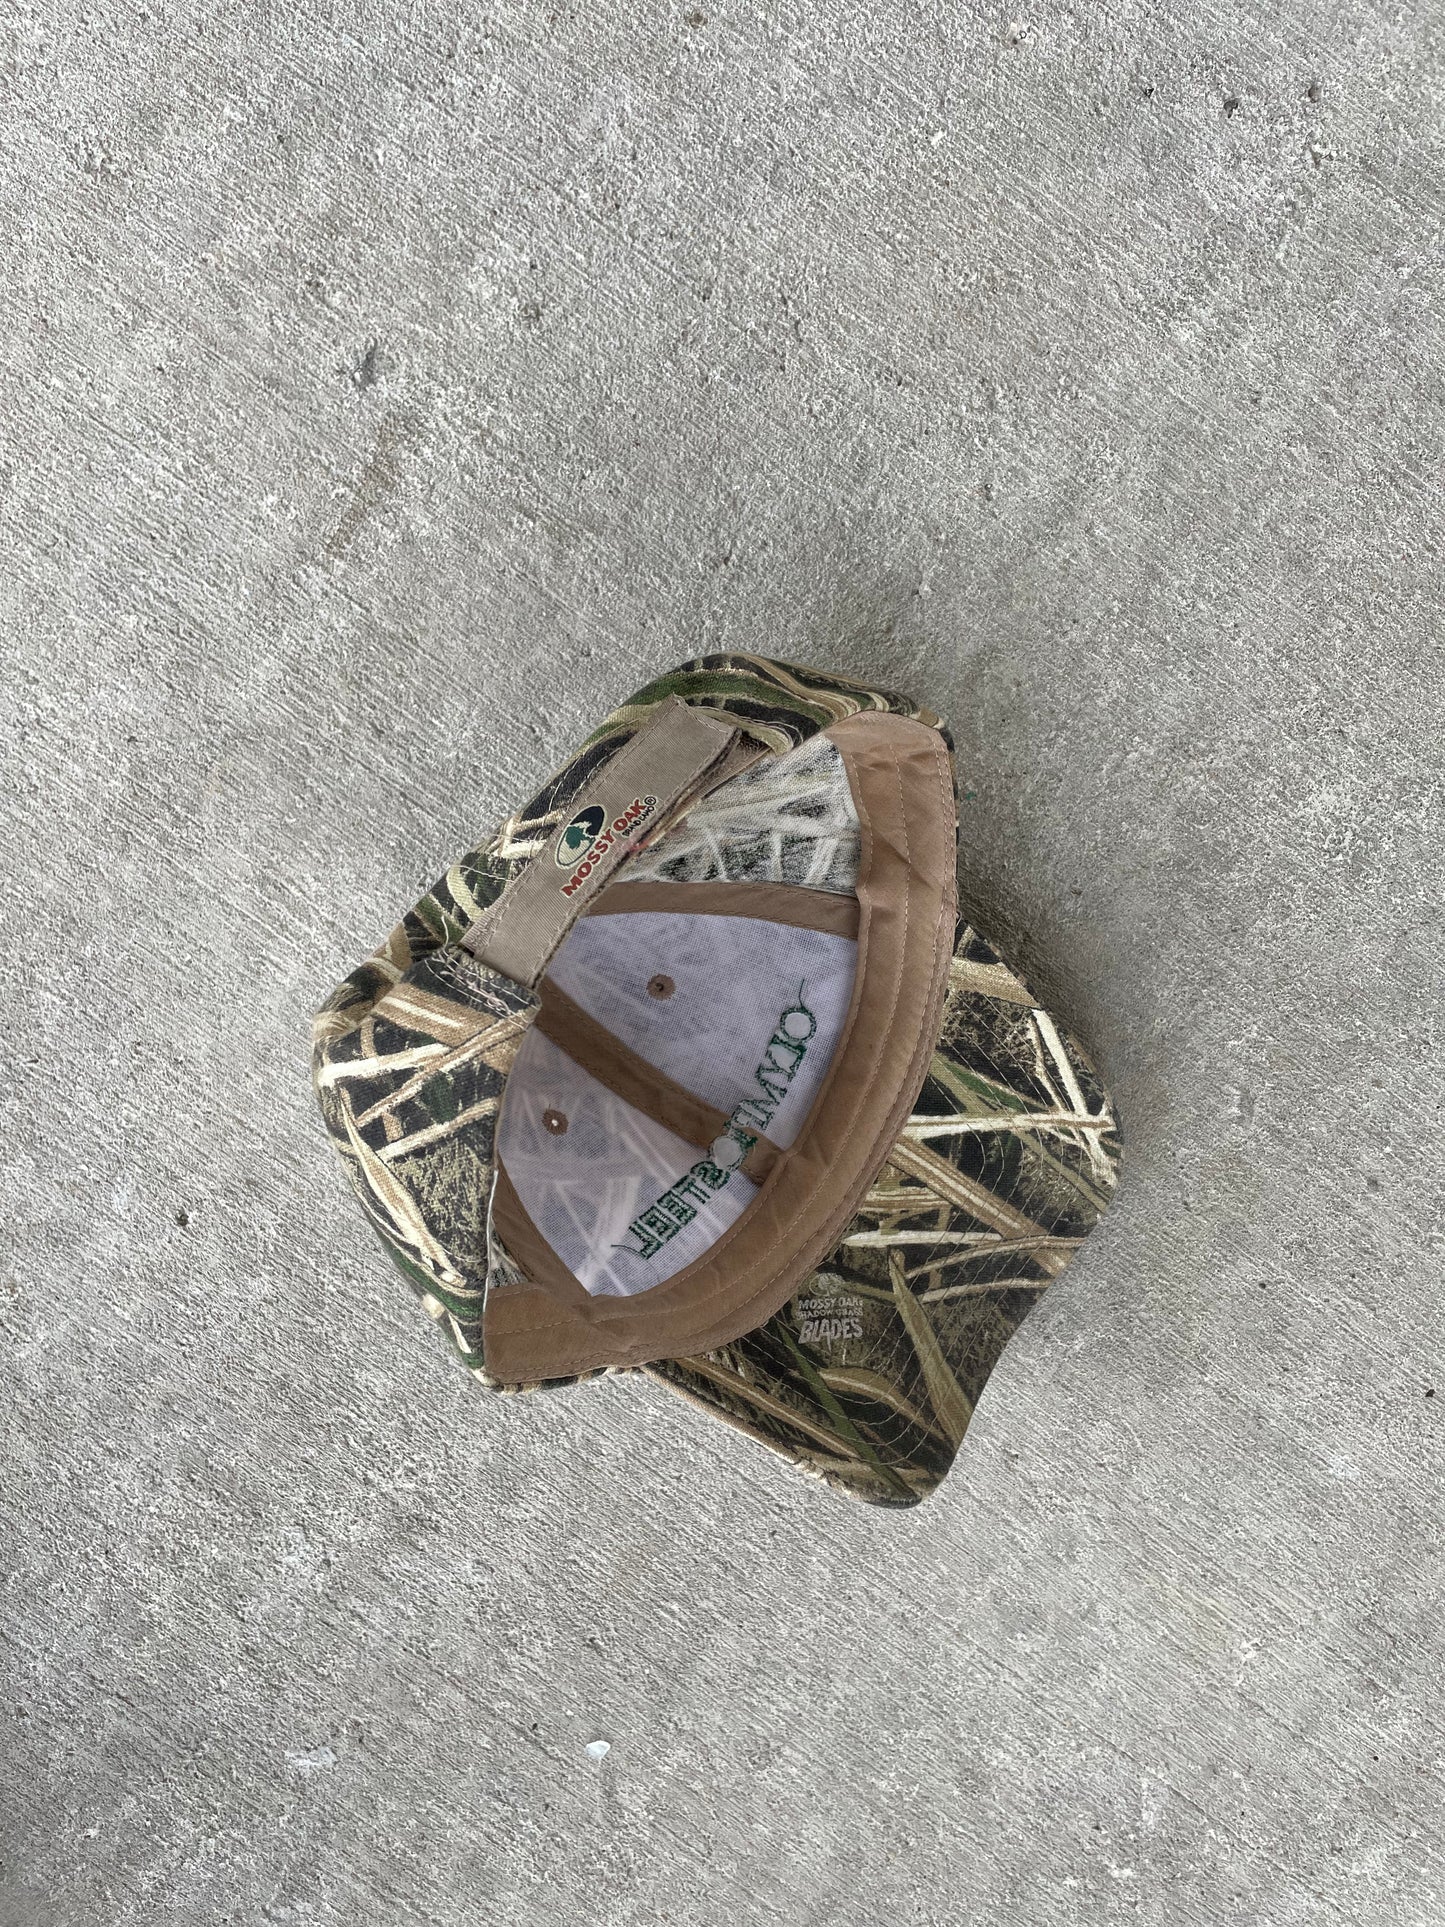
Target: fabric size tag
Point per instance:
(672, 754)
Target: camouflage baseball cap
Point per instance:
(694, 1068)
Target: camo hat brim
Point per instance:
(694, 1068)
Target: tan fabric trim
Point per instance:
(902, 785)
(514, 1225)
(788, 903)
(741, 755)
(678, 751)
(603, 1055)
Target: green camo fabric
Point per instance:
(868, 1376)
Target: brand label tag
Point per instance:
(671, 754)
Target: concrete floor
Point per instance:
(389, 389)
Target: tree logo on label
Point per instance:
(579, 836)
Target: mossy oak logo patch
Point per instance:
(782, 1054)
(579, 836)
(586, 840)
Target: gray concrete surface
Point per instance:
(387, 390)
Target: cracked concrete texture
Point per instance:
(387, 391)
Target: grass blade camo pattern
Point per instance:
(410, 1095)
(869, 1375)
